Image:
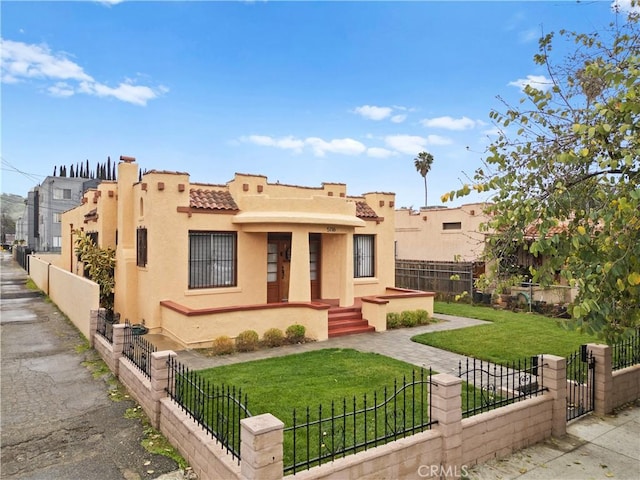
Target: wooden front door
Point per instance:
(278, 267)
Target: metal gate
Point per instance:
(581, 367)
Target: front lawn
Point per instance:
(510, 336)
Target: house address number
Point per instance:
(332, 229)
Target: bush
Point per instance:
(408, 318)
(273, 337)
(423, 317)
(295, 333)
(223, 345)
(393, 320)
(247, 341)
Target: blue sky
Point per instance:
(302, 92)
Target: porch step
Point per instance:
(347, 321)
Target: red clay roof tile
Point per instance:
(363, 210)
(211, 199)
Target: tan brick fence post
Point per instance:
(118, 346)
(93, 327)
(159, 374)
(603, 357)
(446, 408)
(261, 445)
(554, 375)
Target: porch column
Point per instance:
(300, 279)
(346, 271)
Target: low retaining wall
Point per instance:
(453, 445)
(625, 385)
(39, 273)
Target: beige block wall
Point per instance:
(207, 458)
(420, 235)
(39, 272)
(200, 330)
(500, 432)
(626, 385)
(400, 459)
(75, 296)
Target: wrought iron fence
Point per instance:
(352, 426)
(627, 352)
(138, 350)
(217, 408)
(580, 383)
(489, 385)
(105, 327)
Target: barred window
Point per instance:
(141, 247)
(363, 256)
(212, 259)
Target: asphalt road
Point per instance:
(57, 420)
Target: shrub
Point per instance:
(295, 333)
(393, 320)
(423, 317)
(247, 341)
(222, 345)
(273, 337)
(408, 318)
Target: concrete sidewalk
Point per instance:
(595, 447)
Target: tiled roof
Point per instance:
(211, 199)
(532, 232)
(363, 210)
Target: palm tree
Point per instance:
(423, 163)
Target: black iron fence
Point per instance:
(627, 352)
(22, 256)
(352, 426)
(105, 325)
(488, 385)
(138, 350)
(217, 408)
(446, 278)
(581, 367)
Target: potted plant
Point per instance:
(99, 264)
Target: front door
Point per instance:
(278, 267)
(314, 265)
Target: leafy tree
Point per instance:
(100, 262)
(565, 170)
(423, 163)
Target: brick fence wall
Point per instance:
(452, 445)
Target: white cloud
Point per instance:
(528, 36)
(377, 152)
(399, 118)
(449, 123)
(625, 6)
(372, 112)
(409, 144)
(24, 62)
(286, 143)
(438, 140)
(539, 82)
(344, 146)
(492, 132)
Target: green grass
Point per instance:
(278, 385)
(510, 336)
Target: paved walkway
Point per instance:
(392, 343)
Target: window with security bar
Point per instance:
(212, 259)
(141, 247)
(363, 256)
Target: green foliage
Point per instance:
(408, 318)
(223, 345)
(100, 262)
(423, 317)
(273, 337)
(393, 320)
(565, 172)
(247, 341)
(296, 333)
